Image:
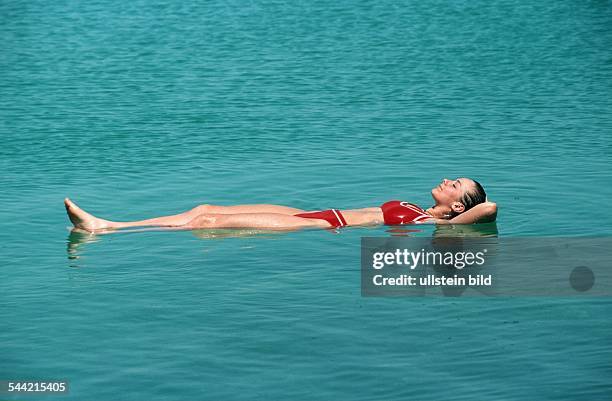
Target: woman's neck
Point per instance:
(439, 212)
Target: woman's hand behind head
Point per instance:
(482, 213)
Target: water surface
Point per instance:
(150, 108)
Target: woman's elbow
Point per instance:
(490, 211)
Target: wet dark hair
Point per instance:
(475, 197)
(470, 199)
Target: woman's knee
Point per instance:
(201, 209)
(204, 220)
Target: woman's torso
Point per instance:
(391, 213)
(363, 217)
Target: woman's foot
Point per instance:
(83, 220)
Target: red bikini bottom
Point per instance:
(332, 216)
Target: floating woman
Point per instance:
(459, 201)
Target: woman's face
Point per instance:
(450, 191)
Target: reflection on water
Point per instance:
(76, 240)
(466, 230)
(449, 230)
(402, 232)
(235, 233)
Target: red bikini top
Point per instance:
(397, 212)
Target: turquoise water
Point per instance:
(151, 108)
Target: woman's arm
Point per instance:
(481, 213)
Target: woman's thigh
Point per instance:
(262, 208)
(273, 221)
